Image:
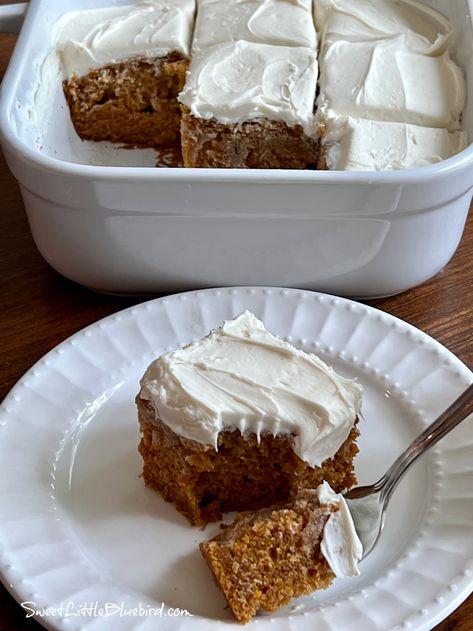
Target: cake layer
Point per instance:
(242, 377)
(133, 102)
(258, 144)
(245, 472)
(363, 145)
(87, 40)
(242, 81)
(276, 22)
(265, 558)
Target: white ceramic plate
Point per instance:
(79, 532)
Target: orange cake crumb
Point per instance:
(258, 144)
(243, 474)
(267, 557)
(132, 102)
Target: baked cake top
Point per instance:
(90, 39)
(277, 22)
(242, 377)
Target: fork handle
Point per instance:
(457, 412)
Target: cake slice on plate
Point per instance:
(241, 420)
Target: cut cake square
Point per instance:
(249, 97)
(124, 68)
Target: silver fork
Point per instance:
(368, 504)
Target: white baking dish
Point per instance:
(137, 229)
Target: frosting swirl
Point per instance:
(241, 376)
(276, 22)
(425, 30)
(390, 95)
(387, 81)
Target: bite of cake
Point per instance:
(241, 420)
(266, 558)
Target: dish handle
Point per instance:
(12, 16)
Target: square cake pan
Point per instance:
(138, 229)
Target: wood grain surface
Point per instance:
(39, 309)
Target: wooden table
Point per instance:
(40, 309)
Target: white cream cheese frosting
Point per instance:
(89, 39)
(241, 81)
(386, 73)
(425, 30)
(340, 544)
(242, 377)
(276, 22)
(363, 145)
(387, 81)
(254, 59)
